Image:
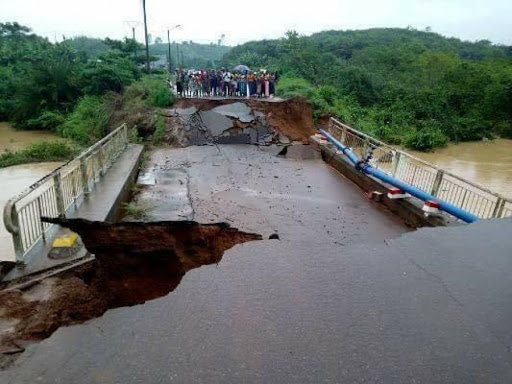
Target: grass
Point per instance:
(151, 91)
(159, 133)
(38, 152)
(88, 121)
(138, 211)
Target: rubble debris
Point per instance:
(202, 122)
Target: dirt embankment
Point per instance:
(135, 262)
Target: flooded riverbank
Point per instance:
(13, 140)
(488, 163)
(17, 178)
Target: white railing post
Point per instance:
(57, 183)
(41, 224)
(16, 238)
(343, 135)
(101, 160)
(437, 183)
(85, 176)
(396, 162)
(498, 208)
(125, 136)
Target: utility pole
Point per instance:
(132, 24)
(177, 55)
(169, 46)
(148, 69)
(134, 45)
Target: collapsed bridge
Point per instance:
(317, 283)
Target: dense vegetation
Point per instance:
(71, 88)
(405, 86)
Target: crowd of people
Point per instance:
(208, 83)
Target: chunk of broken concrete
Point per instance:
(239, 111)
(215, 122)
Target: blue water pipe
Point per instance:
(369, 170)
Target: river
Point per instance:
(15, 179)
(488, 163)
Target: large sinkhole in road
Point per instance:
(135, 262)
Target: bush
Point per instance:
(47, 120)
(161, 96)
(134, 136)
(151, 90)
(467, 129)
(426, 139)
(159, 133)
(37, 152)
(294, 86)
(112, 72)
(504, 129)
(88, 121)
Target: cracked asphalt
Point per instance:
(347, 295)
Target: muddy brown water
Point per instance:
(488, 163)
(16, 178)
(12, 139)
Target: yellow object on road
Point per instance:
(65, 241)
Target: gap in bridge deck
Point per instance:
(135, 262)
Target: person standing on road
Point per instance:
(243, 85)
(191, 84)
(185, 84)
(261, 85)
(272, 84)
(234, 84)
(213, 83)
(227, 83)
(251, 83)
(179, 84)
(266, 81)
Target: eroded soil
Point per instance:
(135, 262)
(238, 121)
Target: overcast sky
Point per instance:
(205, 20)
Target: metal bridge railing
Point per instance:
(451, 188)
(57, 192)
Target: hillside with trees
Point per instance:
(72, 88)
(404, 86)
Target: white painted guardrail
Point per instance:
(445, 185)
(59, 191)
